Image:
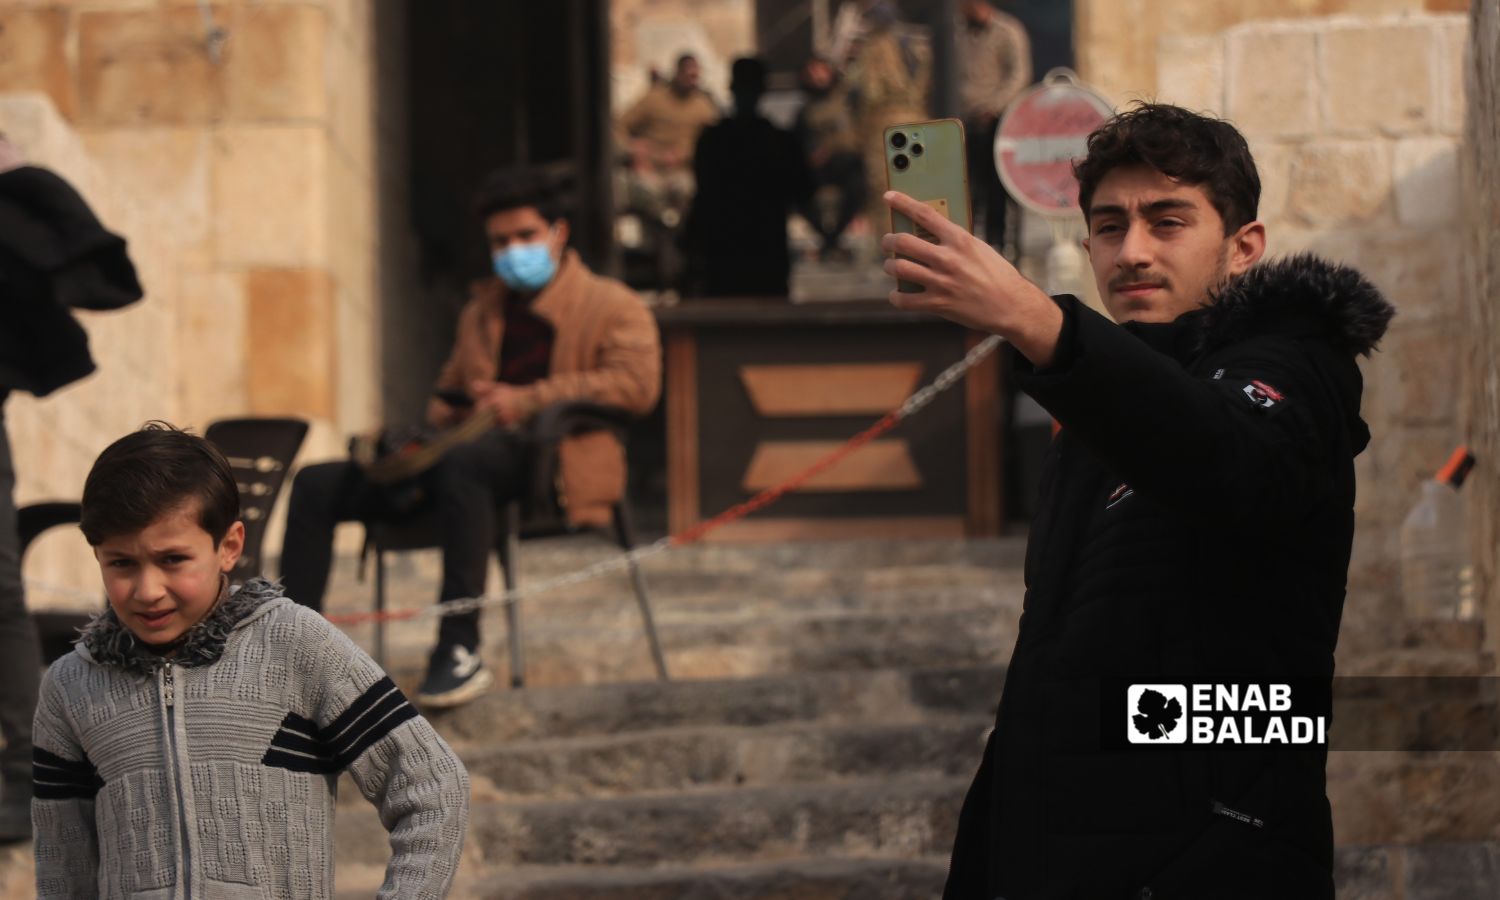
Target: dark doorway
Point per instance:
(488, 85)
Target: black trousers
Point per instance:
(20, 653)
(464, 492)
(846, 173)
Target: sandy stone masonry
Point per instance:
(250, 189)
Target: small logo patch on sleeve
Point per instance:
(1262, 394)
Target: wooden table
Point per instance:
(757, 390)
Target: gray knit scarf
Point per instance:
(112, 644)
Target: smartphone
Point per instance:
(927, 161)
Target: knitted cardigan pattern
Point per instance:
(212, 773)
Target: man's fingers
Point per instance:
(923, 215)
(910, 245)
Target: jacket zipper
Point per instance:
(169, 695)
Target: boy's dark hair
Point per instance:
(521, 186)
(149, 473)
(1185, 146)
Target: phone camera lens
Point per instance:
(916, 149)
(901, 162)
(898, 140)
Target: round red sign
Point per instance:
(1043, 131)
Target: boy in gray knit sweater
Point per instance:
(190, 745)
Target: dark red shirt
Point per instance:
(525, 343)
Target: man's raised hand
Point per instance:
(966, 280)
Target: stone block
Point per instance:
(146, 67)
(1379, 79)
(1190, 72)
(1420, 272)
(1340, 183)
(1453, 871)
(1453, 62)
(1267, 83)
(1365, 796)
(1273, 160)
(1451, 797)
(212, 345)
(1364, 873)
(291, 333)
(1447, 6)
(1427, 182)
(166, 172)
(1422, 375)
(274, 63)
(34, 54)
(270, 196)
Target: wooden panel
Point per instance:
(910, 528)
(830, 389)
(682, 429)
(982, 399)
(878, 466)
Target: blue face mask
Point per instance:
(525, 267)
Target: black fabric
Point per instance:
(20, 657)
(54, 256)
(301, 746)
(58, 778)
(1192, 528)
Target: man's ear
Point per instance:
(560, 240)
(1246, 247)
(231, 546)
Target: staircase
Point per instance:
(828, 708)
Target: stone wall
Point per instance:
(246, 175)
(1118, 41)
(1482, 360)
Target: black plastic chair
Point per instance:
(260, 451)
(56, 630)
(543, 517)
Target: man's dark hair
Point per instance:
(1190, 148)
(522, 186)
(149, 473)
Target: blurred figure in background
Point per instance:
(661, 130)
(829, 143)
(994, 58)
(750, 176)
(889, 78)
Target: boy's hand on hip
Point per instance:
(967, 281)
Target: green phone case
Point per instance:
(936, 172)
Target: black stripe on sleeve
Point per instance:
(404, 713)
(58, 778)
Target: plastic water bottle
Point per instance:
(1437, 575)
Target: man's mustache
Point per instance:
(1137, 279)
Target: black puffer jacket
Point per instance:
(1195, 525)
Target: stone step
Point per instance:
(809, 879)
(719, 757)
(504, 716)
(698, 593)
(905, 818)
(749, 648)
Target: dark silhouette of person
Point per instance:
(750, 176)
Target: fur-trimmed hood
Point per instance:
(1303, 291)
(107, 641)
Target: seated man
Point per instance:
(546, 330)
